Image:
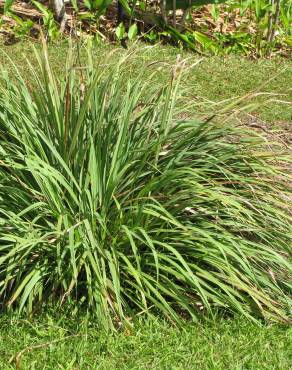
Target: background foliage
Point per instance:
(253, 27)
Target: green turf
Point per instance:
(212, 80)
(64, 344)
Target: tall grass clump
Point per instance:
(110, 200)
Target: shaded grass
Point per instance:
(213, 79)
(226, 344)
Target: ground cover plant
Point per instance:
(117, 201)
(62, 341)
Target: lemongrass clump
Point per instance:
(108, 198)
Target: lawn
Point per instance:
(64, 341)
(213, 80)
(63, 344)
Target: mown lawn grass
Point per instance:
(66, 344)
(212, 80)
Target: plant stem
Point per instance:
(275, 20)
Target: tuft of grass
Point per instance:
(62, 342)
(111, 201)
